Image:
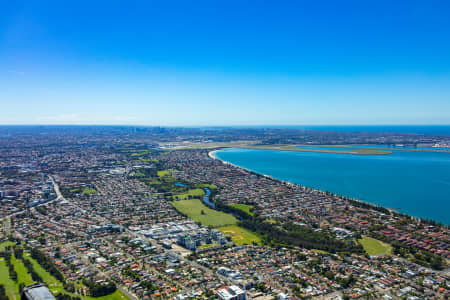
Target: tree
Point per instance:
(98, 290)
(3, 293)
(21, 287)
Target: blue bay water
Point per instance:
(415, 183)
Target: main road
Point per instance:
(59, 196)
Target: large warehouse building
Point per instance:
(37, 291)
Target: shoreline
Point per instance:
(212, 154)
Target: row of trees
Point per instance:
(95, 289)
(98, 290)
(47, 264)
(35, 276)
(12, 272)
(3, 293)
(61, 296)
(366, 205)
(233, 210)
(18, 252)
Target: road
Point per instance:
(121, 288)
(59, 196)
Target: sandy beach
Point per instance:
(212, 154)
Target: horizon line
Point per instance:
(218, 126)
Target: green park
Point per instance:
(24, 277)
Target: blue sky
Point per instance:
(225, 62)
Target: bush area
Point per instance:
(420, 257)
(289, 234)
(98, 290)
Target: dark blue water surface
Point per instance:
(206, 198)
(416, 183)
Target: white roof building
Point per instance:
(231, 293)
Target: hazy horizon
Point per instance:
(232, 125)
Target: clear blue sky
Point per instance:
(225, 62)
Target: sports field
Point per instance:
(243, 207)
(239, 235)
(375, 247)
(89, 191)
(193, 209)
(191, 192)
(163, 173)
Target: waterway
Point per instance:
(415, 183)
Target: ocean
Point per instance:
(415, 183)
